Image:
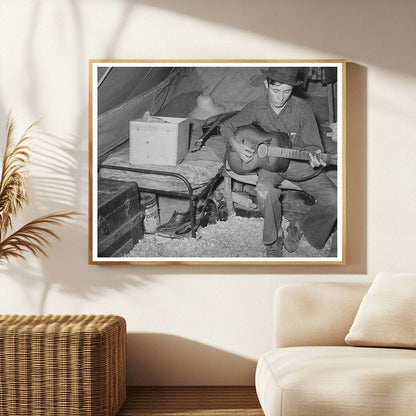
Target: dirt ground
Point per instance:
(237, 237)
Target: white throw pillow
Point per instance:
(387, 314)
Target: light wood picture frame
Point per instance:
(167, 185)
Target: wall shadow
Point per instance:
(253, 18)
(60, 182)
(54, 188)
(334, 27)
(169, 360)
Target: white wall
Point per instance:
(204, 324)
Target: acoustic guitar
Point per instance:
(272, 151)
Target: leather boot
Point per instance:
(176, 220)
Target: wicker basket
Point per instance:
(71, 365)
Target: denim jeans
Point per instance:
(321, 218)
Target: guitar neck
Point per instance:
(275, 151)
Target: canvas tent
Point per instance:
(125, 93)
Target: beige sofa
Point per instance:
(311, 370)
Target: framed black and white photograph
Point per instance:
(217, 162)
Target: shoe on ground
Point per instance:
(292, 238)
(275, 249)
(176, 220)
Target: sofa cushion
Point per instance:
(304, 381)
(315, 313)
(387, 314)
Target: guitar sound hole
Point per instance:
(262, 150)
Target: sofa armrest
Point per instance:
(308, 314)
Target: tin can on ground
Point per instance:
(151, 212)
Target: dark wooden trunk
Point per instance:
(120, 218)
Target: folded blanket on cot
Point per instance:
(198, 168)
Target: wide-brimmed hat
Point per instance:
(205, 108)
(283, 74)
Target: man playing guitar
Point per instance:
(281, 111)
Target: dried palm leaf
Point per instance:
(12, 182)
(33, 237)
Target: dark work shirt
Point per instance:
(296, 119)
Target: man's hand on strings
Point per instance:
(315, 160)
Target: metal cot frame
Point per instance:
(193, 195)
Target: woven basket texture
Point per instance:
(53, 365)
